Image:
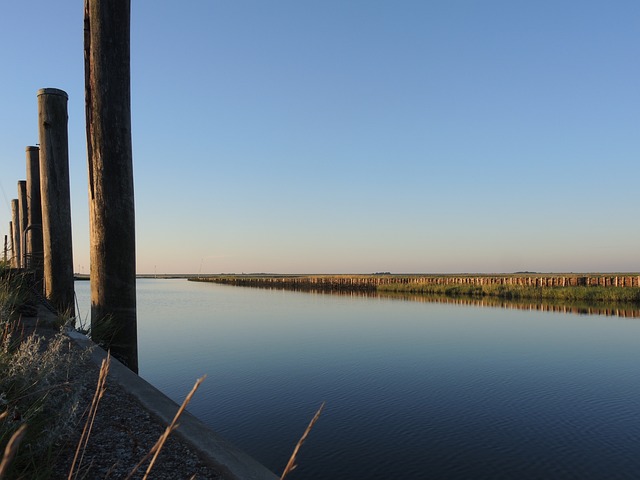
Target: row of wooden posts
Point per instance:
(40, 228)
(371, 282)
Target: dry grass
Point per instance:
(23, 470)
(291, 465)
(155, 450)
(93, 410)
(11, 448)
(38, 387)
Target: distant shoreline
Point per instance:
(85, 276)
(595, 288)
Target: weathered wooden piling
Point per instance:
(56, 199)
(34, 235)
(24, 221)
(15, 234)
(11, 246)
(111, 199)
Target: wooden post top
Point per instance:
(53, 91)
(31, 148)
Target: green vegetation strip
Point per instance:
(593, 294)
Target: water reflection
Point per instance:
(623, 310)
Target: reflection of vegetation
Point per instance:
(620, 309)
(591, 294)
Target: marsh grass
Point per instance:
(31, 410)
(592, 294)
(14, 294)
(38, 380)
(38, 388)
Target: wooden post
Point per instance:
(111, 199)
(15, 237)
(11, 239)
(5, 249)
(24, 221)
(34, 239)
(56, 199)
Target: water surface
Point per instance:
(413, 390)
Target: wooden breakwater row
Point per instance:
(375, 282)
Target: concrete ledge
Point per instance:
(233, 463)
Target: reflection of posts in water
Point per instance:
(35, 248)
(111, 199)
(24, 221)
(56, 199)
(15, 234)
(623, 310)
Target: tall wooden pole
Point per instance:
(11, 239)
(5, 249)
(24, 221)
(56, 199)
(34, 240)
(15, 237)
(111, 200)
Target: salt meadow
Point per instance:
(412, 389)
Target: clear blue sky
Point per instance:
(340, 136)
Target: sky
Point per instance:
(354, 136)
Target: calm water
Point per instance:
(413, 390)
